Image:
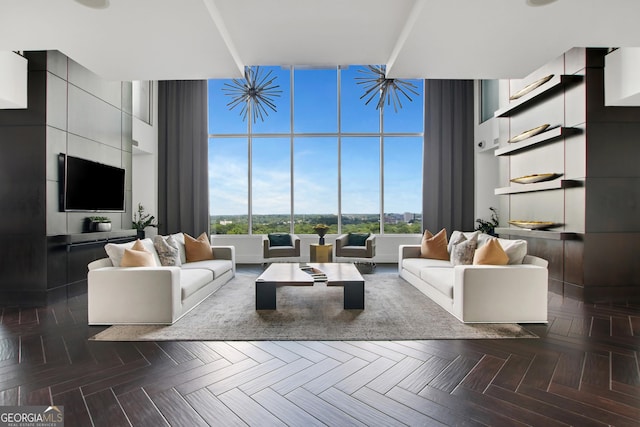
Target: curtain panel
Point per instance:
(183, 193)
(448, 164)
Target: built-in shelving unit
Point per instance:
(540, 234)
(84, 239)
(548, 89)
(541, 138)
(538, 186)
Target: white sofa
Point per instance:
(154, 295)
(514, 293)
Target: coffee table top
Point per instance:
(292, 275)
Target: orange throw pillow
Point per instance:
(197, 249)
(434, 247)
(137, 256)
(491, 253)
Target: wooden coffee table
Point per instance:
(290, 274)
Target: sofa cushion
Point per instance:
(434, 246)
(197, 249)
(415, 265)
(516, 250)
(279, 239)
(468, 235)
(440, 279)
(217, 266)
(192, 280)
(179, 238)
(462, 250)
(491, 253)
(137, 256)
(357, 239)
(115, 251)
(168, 252)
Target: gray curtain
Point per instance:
(183, 194)
(448, 156)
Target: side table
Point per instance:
(321, 253)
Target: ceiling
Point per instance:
(195, 39)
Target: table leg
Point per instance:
(354, 295)
(265, 296)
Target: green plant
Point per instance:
(99, 219)
(142, 220)
(489, 226)
(321, 229)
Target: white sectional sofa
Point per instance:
(154, 295)
(514, 293)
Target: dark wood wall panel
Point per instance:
(599, 261)
(73, 111)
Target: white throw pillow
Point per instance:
(179, 238)
(115, 251)
(515, 249)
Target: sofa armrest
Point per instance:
(506, 293)
(296, 242)
(370, 243)
(408, 251)
(225, 252)
(133, 295)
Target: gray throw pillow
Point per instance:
(462, 250)
(168, 251)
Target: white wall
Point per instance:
(145, 160)
(622, 77)
(13, 80)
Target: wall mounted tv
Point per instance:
(88, 186)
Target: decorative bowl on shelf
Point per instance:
(534, 225)
(528, 88)
(536, 177)
(529, 133)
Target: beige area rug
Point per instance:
(394, 310)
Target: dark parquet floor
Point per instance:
(583, 371)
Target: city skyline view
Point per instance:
(323, 152)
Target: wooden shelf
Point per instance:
(538, 234)
(539, 94)
(541, 138)
(538, 186)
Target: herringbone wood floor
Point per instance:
(583, 372)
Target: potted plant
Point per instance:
(142, 220)
(99, 223)
(321, 230)
(489, 226)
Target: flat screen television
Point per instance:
(88, 186)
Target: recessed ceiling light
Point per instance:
(94, 4)
(536, 3)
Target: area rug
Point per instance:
(394, 310)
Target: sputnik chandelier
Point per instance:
(254, 94)
(375, 82)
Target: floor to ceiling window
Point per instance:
(322, 157)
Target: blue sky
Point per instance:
(315, 157)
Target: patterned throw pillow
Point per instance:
(168, 251)
(434, 246)
(462, 250)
